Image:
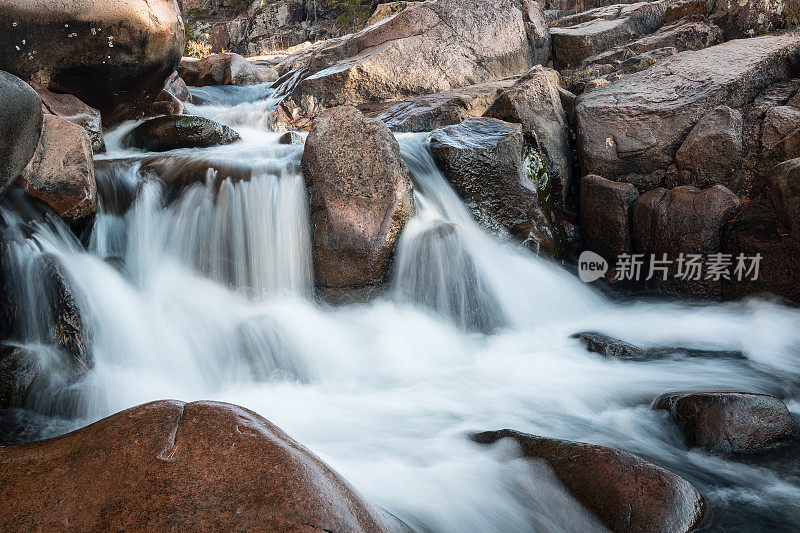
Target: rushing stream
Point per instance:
(207, 293)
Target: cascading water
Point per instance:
(203, 290)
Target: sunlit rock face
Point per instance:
(114, 56)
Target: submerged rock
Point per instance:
(484, 161)
(220, 69)
(360, 197)
(113, 56)
(623, 490)
(730, 422)
(20, 127)
(61, 172)
(182, 131)
(608, 346)
(168, 465)
(291, 138)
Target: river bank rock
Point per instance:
(360, 197)
(428, 48)
(20, 127)
(624, 491)
(165, 133)
(70, 108)
(606, 216)
(61, 172)
(785, 192)
(484, 159)
(730, 422)
(168, 465)
(220, 69)
(115, 60)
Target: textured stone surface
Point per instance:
(713, 150)
(168, 465)
(221, 69)
(730, 422)
(20, 127)
(360, 194)
(785, 191)
(623, 490)
(70, 108)
(114, 56)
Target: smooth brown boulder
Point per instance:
(360, 197)
(113, 58)
(713, 150)
(606, 210)
(632, 129)
(167, 466)
(220, 69)
(623, 490)
(20, 127)
(484, 159)
(70, 108)
(61, 172)
(535, 103)
(730, 422)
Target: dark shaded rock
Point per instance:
(291, 137)
(606, 208)
(534, 101)
(113, 58)
(61, 172)
(18, 370)
(780, 136)
(484, 159)
(432, 111)
(360, 195)
(608, 346)
(71, 108)
(220, 69)
(428, 48)
(785, 192)
(713, 149)
(177, 88)
(730, 422)
(643, 220)
(684, 8)
(20, 127)
(624, 491)
(166, 104)
(183, 131)
(198, 466)
(630, 130)
(580, 36)
(745, 19)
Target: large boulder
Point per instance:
(61, 172)
(20, 127)
(70, 108)
(606, 214)
(360, 194)
(623, 490)
(534, 102)
(713, 150)
(785, 189)
(168, 465)
(484, 159)
(730, 422)
(434, 46)
(631, 130)
(220, 69)
(183, 131)
(115, 59)
(580, 36)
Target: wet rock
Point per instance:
(20, 127)
(535, 103)
(785, 191)
(432, 111)
(730, 422)
(172, 132)
(631, 130)
(291, 137)
(18, 370)
(580, 36)
(623, 490)
(166, 104)
(608, 346)
(360, 195)
(484, 159)
(713, 148)
(428, 48)
(113, 59)
(71, 108)
(169, 465)
(220, 69)
(177, 88)
(61, 172)
(606, 210)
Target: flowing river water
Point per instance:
(207, 293)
